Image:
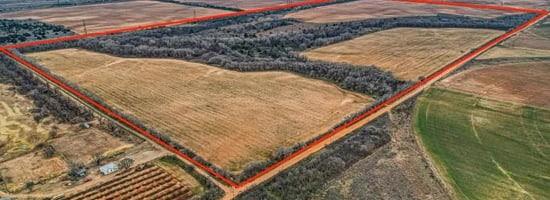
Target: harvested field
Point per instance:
(112, 15)
(486, 149)
(147, 182)
(31, 167)
(409, 53)
(243, 4)
(370, 9)
(229, 118)
(525, 83)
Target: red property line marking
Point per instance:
(455, 64)
(163, 24)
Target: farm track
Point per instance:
(307, 150)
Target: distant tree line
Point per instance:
(305, 179)
(18, 5)
(15, 31)
(202, 4)
(253, 43)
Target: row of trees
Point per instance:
(14, 31)
(202, 4)
(307, 178)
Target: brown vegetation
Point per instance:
(369, 9)
(229, 118)
(525, 83)
(111, 15)
(30, 168)
(409, 53)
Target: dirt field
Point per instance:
(87, 144)
(31, 167)
(19, 133)
(525, 83)
(244, 4)
(409, 53)
(112, 15)
(367, 9)
(229, 118)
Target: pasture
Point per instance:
(486, 149)
(409, 53)
(229, 118)
(371, 9)
(96, 17)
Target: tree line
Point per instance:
(15, 31)
(18, 5)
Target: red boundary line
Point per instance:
(455, 64)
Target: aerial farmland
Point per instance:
(274, 99)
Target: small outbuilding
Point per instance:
(108, 168)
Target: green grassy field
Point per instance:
(486, 149)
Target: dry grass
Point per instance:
(368, 9)
(83, 146)
(112, 15)
(19, 133)
(244, 4)
(408, 53)
(525, 83)
(514, 52)
(229, 118)
(30, 167)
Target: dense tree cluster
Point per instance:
(14, 31)
(307, 178)
(17, 5)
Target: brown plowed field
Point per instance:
(408, 53)
(525, 83)
(243, 4)
(229, 118)
(368, 9)
(111, 15)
